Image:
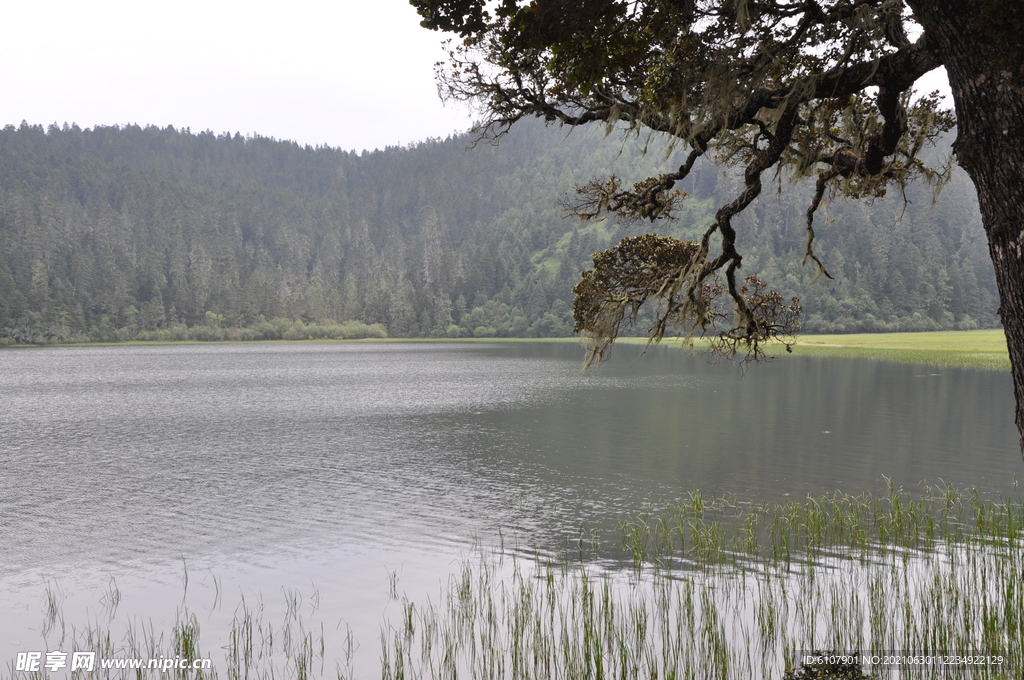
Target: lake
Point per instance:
(212, 473)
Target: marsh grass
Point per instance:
(53, 612)
(257, 648)
(704, 533)
(711, 588)
(718, 589)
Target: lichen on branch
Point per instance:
(686, 298)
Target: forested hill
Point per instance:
(129, 232)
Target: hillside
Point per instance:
(117, 233)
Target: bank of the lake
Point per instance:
(985, 349)
(981, 349)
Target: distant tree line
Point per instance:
(121, 233)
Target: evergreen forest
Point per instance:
(121, 233)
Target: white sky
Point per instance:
(353, 74)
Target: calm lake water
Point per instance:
(331, 468)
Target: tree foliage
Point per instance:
(625, 276)
(801, 89)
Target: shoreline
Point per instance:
(979, 349)
(976, 349)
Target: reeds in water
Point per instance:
(257, 648)
(712, 589)
(928, 586)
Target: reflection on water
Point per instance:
(292, 463)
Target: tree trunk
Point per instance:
(981, 43)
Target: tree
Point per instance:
(816, 89)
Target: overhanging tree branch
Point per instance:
(813, 88)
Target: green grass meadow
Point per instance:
(984, 349)
(966, 349)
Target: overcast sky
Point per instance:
(353, 74)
